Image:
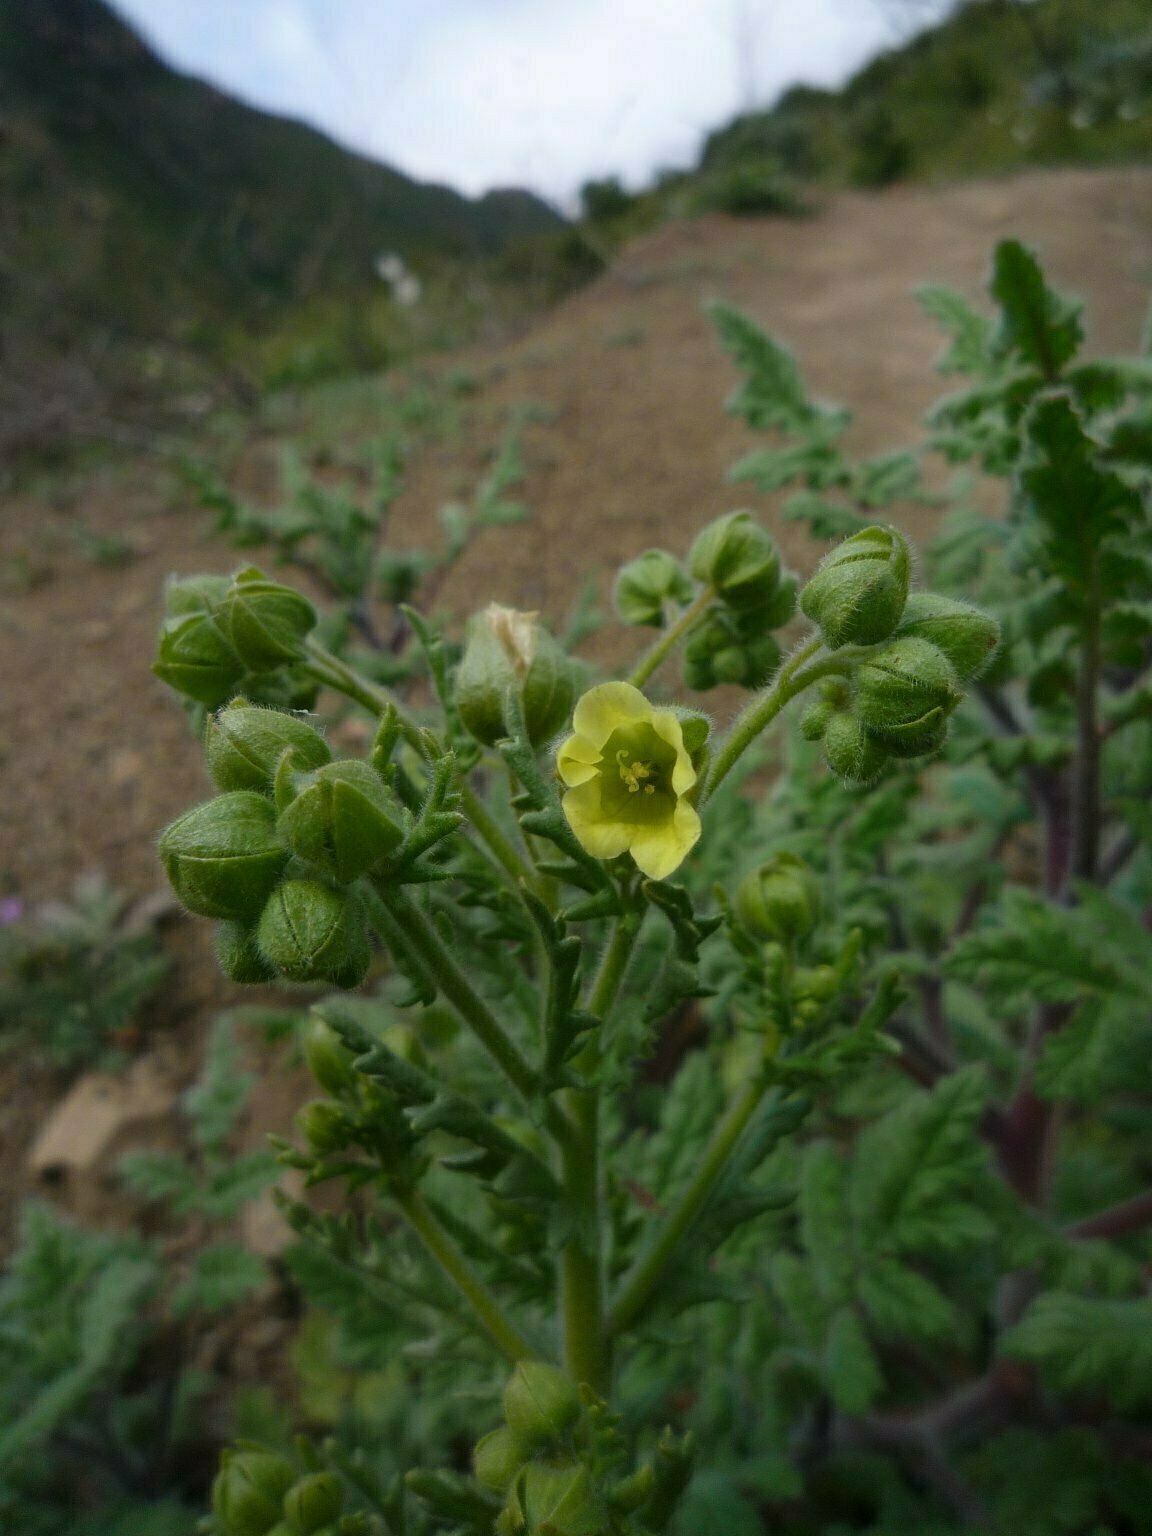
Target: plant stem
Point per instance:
(788, 682)
(587, 1348)
(432, 955)
(489, 829)
(654, 657)
(328, 668)
(440, 1246)
(1086, 772)
(646, 1273)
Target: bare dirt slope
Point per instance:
(96, 755)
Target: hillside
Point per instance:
(139, 204)
(999, 85)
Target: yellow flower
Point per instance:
(628, 774)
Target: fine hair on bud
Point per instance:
(859, 590)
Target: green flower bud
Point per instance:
(223, 858)
(327, 1057)
(540, 1402)
(497, 1458)
(647, 585)
(966, 636)
(850, 752)
(239, 957)
(632, 1492)
(780, 900)
(325, 1127)
(195, 657)
(737, 558)
(266, 622)
(248, 1494)
(904, 696)
(559, 1501)
(311, 932)
(859, 590)
(194, 594)
(507, 649)
(719, 650)
(314, 1502)
(814, 720)
(340, 818)
(777, 612)
(245, 742)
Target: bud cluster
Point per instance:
(780, 900)
(549, 1463)
(258, 1493)
(275, 855)
(897, 701)
(223, 636)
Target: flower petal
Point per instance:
(668, 727)
(662, 848)
(597, 835)
(604, 708)
(577, 760)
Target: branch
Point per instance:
(1116, 1221)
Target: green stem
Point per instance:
(646, 1273)
(503, 1333)
(500, 846)
(788, 682)
(421, 938)
(328, 669)
(654, 657)
(587, 1349)
(1086, 765)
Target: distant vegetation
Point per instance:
(999, 86)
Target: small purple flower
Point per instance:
(11, 911)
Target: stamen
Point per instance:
(635, 772)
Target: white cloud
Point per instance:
(545, 93)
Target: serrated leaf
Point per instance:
(1085, 1345)
(970, 331)
(851, 1370)
(223, 1275)
(1037, 324)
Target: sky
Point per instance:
(545, 94)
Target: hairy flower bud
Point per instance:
(245, 742)
(725, 649)
(859, 590)
(540, 1402)
(850, 751)
(340, 818)
(223, 858)
(195, 657)
(506, 650)
(325, 1127)
(311, 932)
(497, 1458)
(647, 585)
(738, 559)
(966, 636)
(327, 1057)
(266, 622)
(781, 606)
(239, 957)
(780, 900)
(904, 695)
(248, 1494)
(315, 1501)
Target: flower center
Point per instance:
(636, 775)
(635, 772)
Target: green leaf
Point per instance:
(223, 1275)
(773, 392)
(1085, 1345)
(851, 1369)
(825, 519)
(1076, 503)
(825, 1222)
(918, 1172)
(1037, 324)
(903, 1304)
(971, 332)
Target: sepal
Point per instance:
(507, 650)
(646, 586)
(967, 637)
(313, 932)
(223, 858)
(738, 559)
(266, 622)
(248, 1494)
(780, 901)
(340, 817)
(244, 744)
